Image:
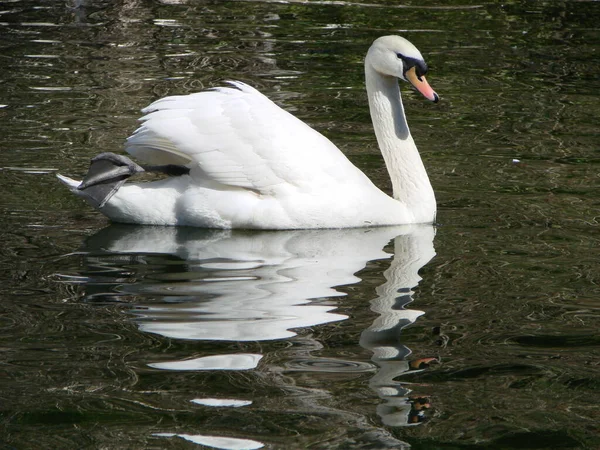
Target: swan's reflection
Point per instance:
(411, 252)
(255, 286)
(239, 286)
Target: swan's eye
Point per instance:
(421, 69)
(419, 65)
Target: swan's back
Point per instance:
(236, 136)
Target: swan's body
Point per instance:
(254, 165)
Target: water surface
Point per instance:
(479, 333)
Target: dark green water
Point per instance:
(484, 336)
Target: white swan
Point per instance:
(237, 160)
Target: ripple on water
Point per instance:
(559, 342)
(331, 365)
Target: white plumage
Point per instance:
(238, 137)
(254, 165)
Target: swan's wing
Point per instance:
(238, 137)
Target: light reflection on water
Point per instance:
(216, 441)
(242, 286)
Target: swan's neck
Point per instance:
(410, 182)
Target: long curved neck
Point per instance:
(410, 182)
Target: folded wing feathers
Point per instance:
(237, 136)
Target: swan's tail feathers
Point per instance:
(107, 173)
(69, 182)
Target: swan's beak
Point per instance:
(421, 84)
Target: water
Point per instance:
(482, 336)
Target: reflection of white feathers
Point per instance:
(238, 361)
(223, 442)
(256, 286)
(245, 286)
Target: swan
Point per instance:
(235, 159)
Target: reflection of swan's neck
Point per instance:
(409, 179)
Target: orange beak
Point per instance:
(421, 84)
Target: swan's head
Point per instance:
(395, 56)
